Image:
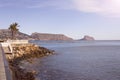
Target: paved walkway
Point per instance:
(2, 67)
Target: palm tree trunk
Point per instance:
(12, 34)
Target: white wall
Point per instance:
(18, 41)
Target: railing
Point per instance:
(8, 45)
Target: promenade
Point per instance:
(5, 73)
(5, 48)
(2, 66)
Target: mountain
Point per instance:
(6, 34)
(88, 38)
(46, 36)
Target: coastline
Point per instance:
(25, 52)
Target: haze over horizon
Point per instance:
(74, 18)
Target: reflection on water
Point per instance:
(76, 62)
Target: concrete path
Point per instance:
(2, 67)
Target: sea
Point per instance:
(78, 60)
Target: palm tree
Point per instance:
(13, 28)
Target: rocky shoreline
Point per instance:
(25, 52)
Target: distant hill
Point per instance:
(46, 36)
(88, 38)
(6, 34)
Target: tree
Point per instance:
(14, 29)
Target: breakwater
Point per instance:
(25, 52)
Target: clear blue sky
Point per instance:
(74, 18)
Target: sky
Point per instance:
(74, 18)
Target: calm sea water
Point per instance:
(79, 60)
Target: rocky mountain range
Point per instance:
(46, 36)
(6, 34)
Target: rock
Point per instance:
(86, 37)
(29, 51)
(25, 52)
(34, 72)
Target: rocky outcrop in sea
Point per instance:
(88, 38)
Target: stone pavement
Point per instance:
(2, 67)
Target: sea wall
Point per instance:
(25, 52)
(18, 41)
